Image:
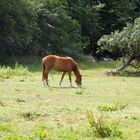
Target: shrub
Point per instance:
(116, 107)
(1, 103)
(41, 134)
(29, 115)
(5, 128)
(100, 128)
(79, 92)
(19, 70)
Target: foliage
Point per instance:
(126, 42)
(19, 70)
(15, 26)
(115, 14)
(5, 128)
(59, 33)
(100, 128)
(41, 134)
(79, 92)
(101, 17)
(116, 107)
(29, 115)
(87, 14)
(65, 27)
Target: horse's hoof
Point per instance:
(44, 85)
(71, 85)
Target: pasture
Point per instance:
(30, 111)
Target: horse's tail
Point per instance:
(43, 71)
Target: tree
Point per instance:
(58, 32)
(126, 42)
(36, 27)
(66, 27)
(86, 12)
(15, 26)
(99, 17)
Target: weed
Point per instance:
(134, 118)
(32, 115)
(1, 103)
(20, 100)
(100, 128)
(29, 115)
(7, 72)
(79, 92)
(116, 107)
(41, 134)
(5, 128)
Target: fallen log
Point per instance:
(122, 67)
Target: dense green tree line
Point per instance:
(65, 27)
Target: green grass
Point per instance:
(30, 111)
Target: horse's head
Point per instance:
(78, 80)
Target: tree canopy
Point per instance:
(65, 27)
(125, 42)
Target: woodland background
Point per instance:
(64, 27)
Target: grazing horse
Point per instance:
(62, 64)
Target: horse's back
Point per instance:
(64, 64)
(59, 63)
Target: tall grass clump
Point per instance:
(18, 70)
(30, 115)
(116, 107)
(41, 134)
(5, 128)
(100, 128)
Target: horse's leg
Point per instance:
(45, 78)
(47, 72)
(70, 78)
(43, 74)
(62, 78)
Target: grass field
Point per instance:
(30, 111)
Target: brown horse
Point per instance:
(62, 64)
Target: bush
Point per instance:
(29, 115)
(42, 134)
(116, 107)
(100, 128)
(19, 70)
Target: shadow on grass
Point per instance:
(129, 74)
(123, 73)
(58, 87)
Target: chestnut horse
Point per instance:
(62, 64)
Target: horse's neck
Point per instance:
(76, 71)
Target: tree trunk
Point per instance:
(122, 67)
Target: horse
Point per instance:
(62, 64)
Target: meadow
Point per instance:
(30, 111)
